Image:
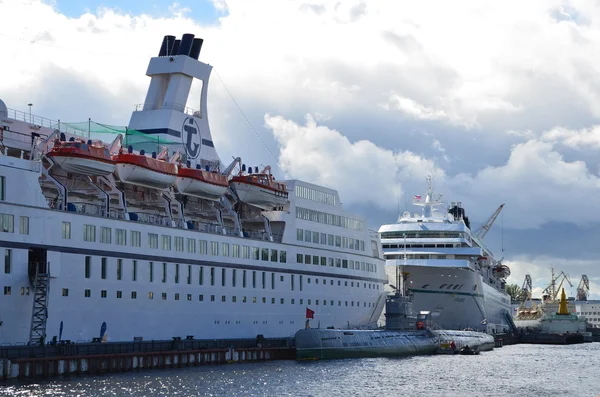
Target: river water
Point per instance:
(520, 370)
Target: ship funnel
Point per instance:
(186, 44)
(175, 48)
(167, 43)
(196, 46)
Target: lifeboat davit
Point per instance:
(200, 183)
(141, 170)
(501, 271)
(260, 190)
(78, 157)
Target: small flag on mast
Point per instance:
(310, 313)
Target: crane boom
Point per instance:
(482, 231)
(583, 289)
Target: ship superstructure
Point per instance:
(149, 235)
(452, 273)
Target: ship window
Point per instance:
(344, 242)
(200, 297)
(307, 236)
(345, 263)
(191, 245)
(151, 271)
(331, 262)
(103, 269)
(178, 243)
(24, 225)
(164, 272)
(449, 286)
(253, 279)
(119, 269)
(105, 233)
(225, 249)
(87, 293)
(223, 298)
(223, 277)
(245, 251)
(323, 261)
(136, 239)
(177, 296)
(315, 237)
(272, 280)
(120, 236)
(307, 259)
(2, 188)
(264, 280)
(166, 242)
(442, 286)
(233, 277)
(475, 287)
(299, 234)
(255, 253)
(315, 260)
(66, 230)
(150, 295)
(164, 296)
(177, 273)
(7, 290)
(203, 247)
(189, 274)
(338, 262)
(282, 256)
(134, 271)
(103, 293)
(234, 298)
(243, 279)
(65, 292)
(425, 286)
(212, 276)
(299, 258)
(119, 294)
(330, 239)
(264, 254)
(456, 286)
(212, 298)
(89, 233)
(88, 266)
(8, 223)
(236, 251)
(273, 254)
(323, 238)
(153, 240)
(338, 241)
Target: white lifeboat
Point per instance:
(141, 170)
(260, 190)
(79, 157)
(200, 183)
(501, 271)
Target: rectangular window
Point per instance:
(150, 271)
(177, 273)
(66, 230)
(300, 286)
(103, 269)
(201, 275)
(315, 260)
(134, 271)
(323, 238)
(264, 280)
(307, 259)
(345, 263)
(133, 295)
(164, 272)
(203, 247)
(7, 261)
(233, 274)
(89, 233)
(8, 223)
(105, 233)
(119, 269)
(164, 296)
(246, 252)
(253, 279)
(189, 275)
(282, 256)
(24, 224)
(307, 236)
(338, 241)
(191, 245)
(236, 251)
(176, 296)
(272, 280)
(265, 254)
(136, 239)
(189, 297)
(223, 276)
(255, 253)
(2, 188)
(166, 242)
(315, 237)
(330, 239)
(299, 258)
(88, 267)
(292, 282)
(323, 261)
(225, 249)
(243, 279)
(103, 293)
(7, 290)
(121, 236)
(150, 295)
(201, 297)
(87, 293)
(214, 248)
(153, 240)
(119, 294)
(212, 276)
(65, 292)
(178, 243)
(299, 234)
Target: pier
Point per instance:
(31, 362)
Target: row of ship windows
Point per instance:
(422, 234)
(329, 219)
(402, 246)
(315, 195)
(7, 223)
(87, 293)
(336, 262)
(329, 239)
(212, 274)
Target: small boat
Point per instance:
(83, 158)
(501, 271)
(467, 351)
(138, 169)
(260, 189)
(201, 183)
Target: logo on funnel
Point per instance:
(190, 137)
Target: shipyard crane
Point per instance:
(552, 290)
(482, 231)
(526, 289)
(583, 289)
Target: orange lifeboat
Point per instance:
(260, 189)
(201, 183)
(141, 170)
(83, 158)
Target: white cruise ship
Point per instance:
(451, 272)
(119, 239)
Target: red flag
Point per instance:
(310, 313)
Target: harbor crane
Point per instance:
(482, 231)
(552, 291)
(583, 289)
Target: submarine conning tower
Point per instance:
(165, 116)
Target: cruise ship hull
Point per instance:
(472, 304)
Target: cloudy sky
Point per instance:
(500, 101)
